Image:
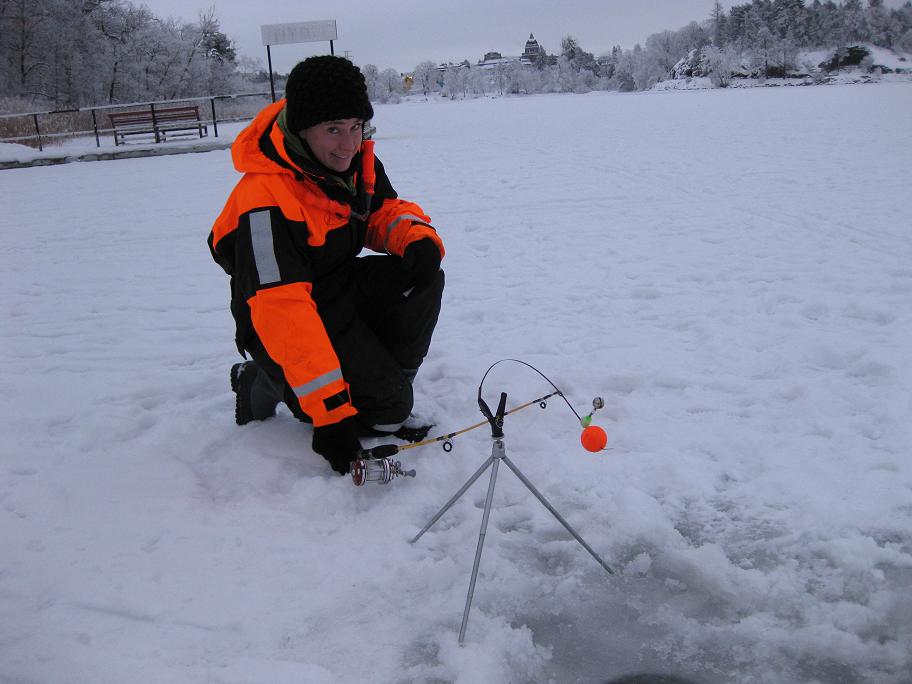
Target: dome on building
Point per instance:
(532, 50)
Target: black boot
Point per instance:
(256, 397)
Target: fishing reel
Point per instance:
(380, 470)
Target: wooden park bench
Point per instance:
(158, 123)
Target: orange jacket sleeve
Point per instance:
(286, 320)
(261, 249)
(398, 223)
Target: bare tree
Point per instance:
(119, 26)
(26, 40)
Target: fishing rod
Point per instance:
(377, 465)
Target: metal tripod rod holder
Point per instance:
(498, 454)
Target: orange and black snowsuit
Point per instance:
(335, 330)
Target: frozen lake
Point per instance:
(730, 270)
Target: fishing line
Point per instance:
(547, 379)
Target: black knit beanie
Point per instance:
(325, 88)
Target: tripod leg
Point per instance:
(557, 515)
(455, 498)
(481, 537)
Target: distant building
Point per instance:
(444, 66)
(492, 59)
(533, 55)
(532, 52)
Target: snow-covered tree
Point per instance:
(718, 22)
(764, 49)
(578, 58)
(479, 81)
(719, 63)
(853, 19)
(623, 79)
(122, 26)
(881, 28)
(663, 51)
(455, 81)
(371, 80)
(389, 86)
(65, 53)
(69, 53)
(424, 78)
(508, 78)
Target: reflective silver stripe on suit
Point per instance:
(395, 222)
(263, 251)
(318, 383)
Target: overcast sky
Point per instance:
(402, 33)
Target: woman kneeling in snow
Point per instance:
(335, 336)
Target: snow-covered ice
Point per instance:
(731, 270)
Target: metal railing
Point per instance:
(46, 126)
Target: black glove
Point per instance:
(338, 443)
(422, 260)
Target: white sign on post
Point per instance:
(298, 32)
